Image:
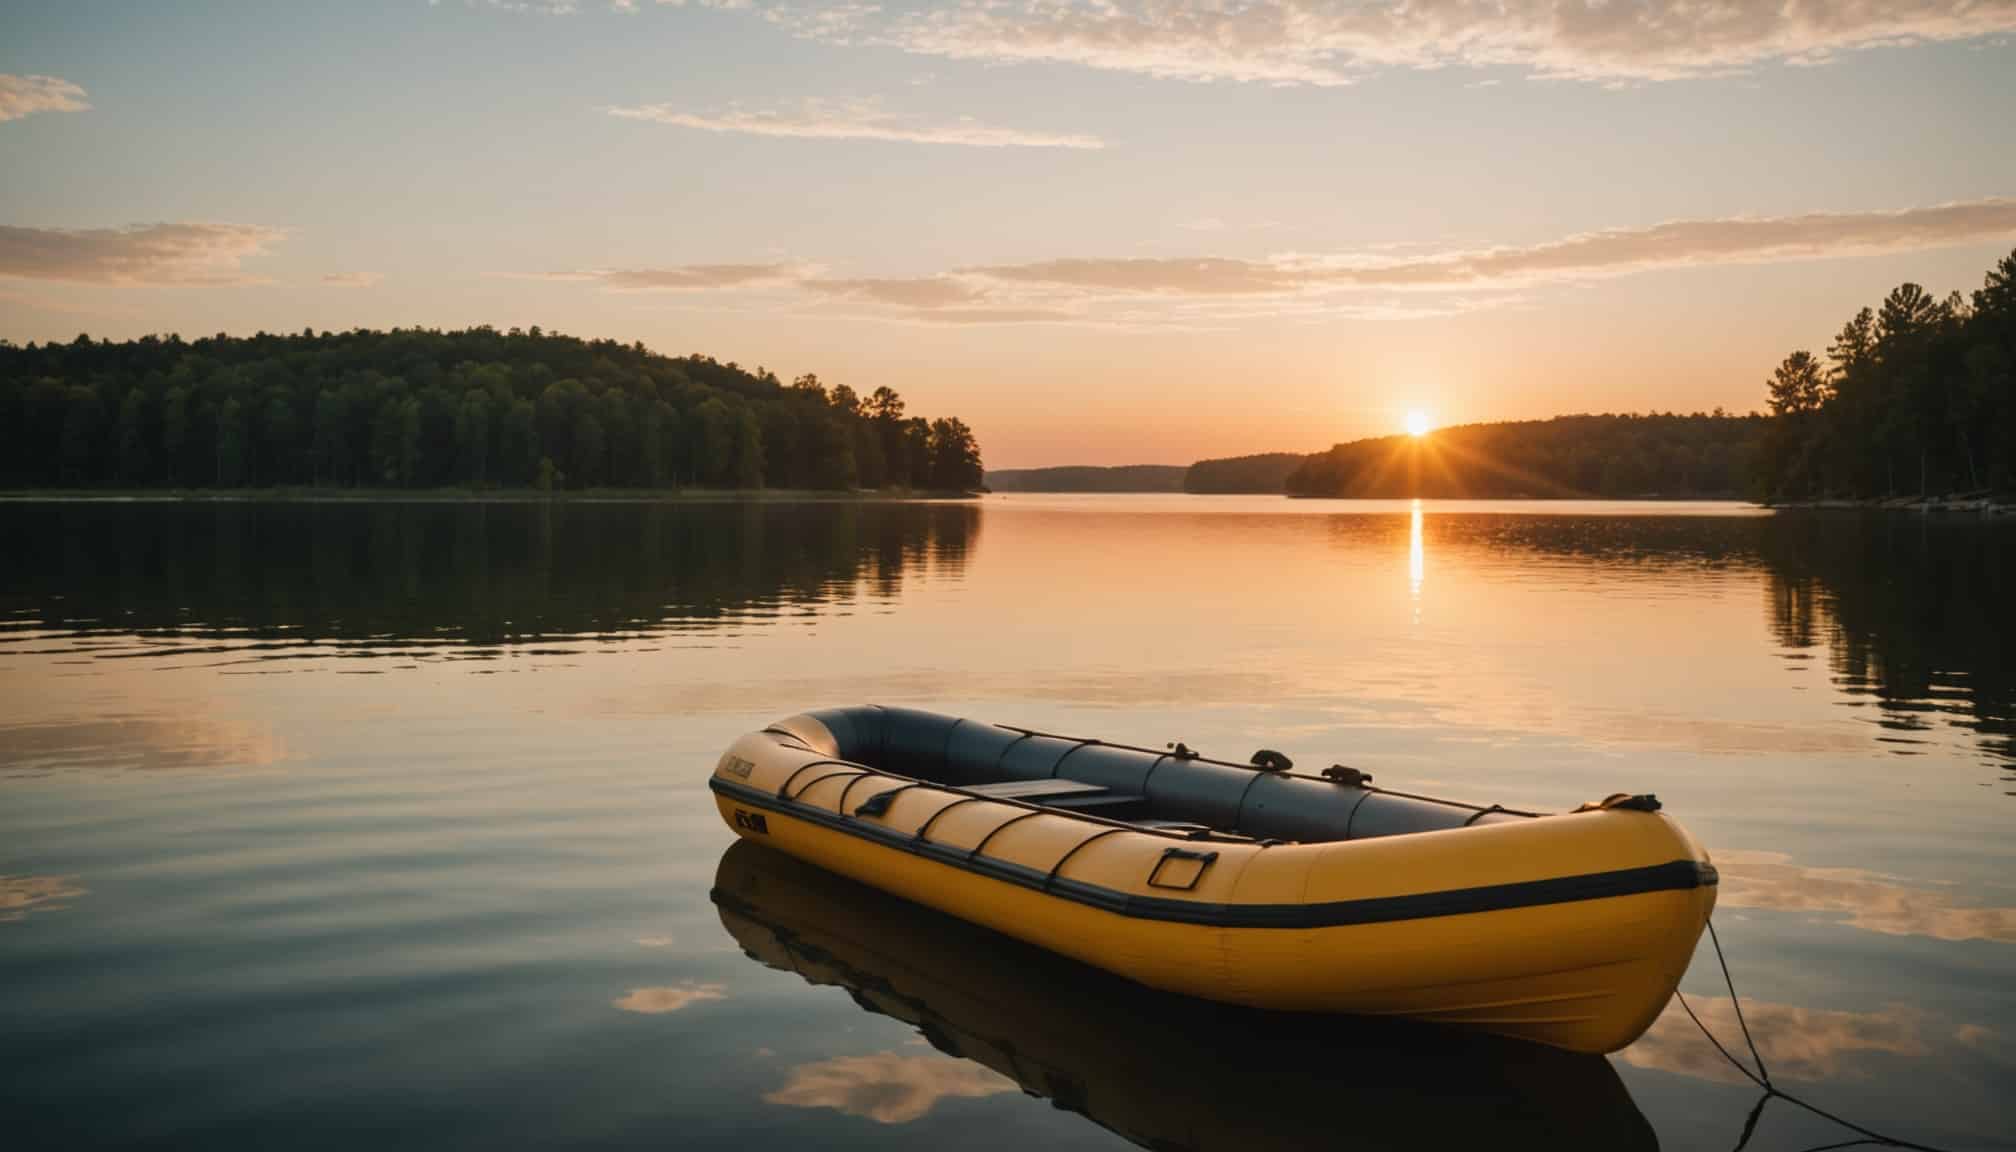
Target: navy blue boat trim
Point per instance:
(1676, 875)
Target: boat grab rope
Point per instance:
(857, 773)
(1762, 1076)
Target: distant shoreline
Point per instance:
(1693, 498)
(1983, 506)
(471, 496)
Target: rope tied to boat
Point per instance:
(1762, 1076)
(1625, 800)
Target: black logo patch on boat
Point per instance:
(753, 821)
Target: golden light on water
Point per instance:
(1417, 559)
(1417, 422)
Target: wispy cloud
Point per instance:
(1385, 283)
(1000, 316)
(569, 7)
(26, 95)
(187, 253)
(352, 279)
(682, 277)
(1190, 275)
(543, 7)
(1679, 243)
(923, 292)
(1315, 42)
(853, 120)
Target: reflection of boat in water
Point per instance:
(1243, 883)
(1166, 1071)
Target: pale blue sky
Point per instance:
(461, 163)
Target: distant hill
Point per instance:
(1698, 456)
(1266, 473)
(1085, 478)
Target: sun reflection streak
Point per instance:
(1417, 560)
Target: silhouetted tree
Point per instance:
(955, 455)
(230, 443)
(176, 435)
(748, 451)
(131, 437)
(1918, 400)
(472, 438)
(331, 437)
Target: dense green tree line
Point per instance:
(1915, 397)
(418, 408)
(1702, 455)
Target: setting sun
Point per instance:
(1417, 422)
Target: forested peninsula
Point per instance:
(1916, 399)
(1090, 478)
(1708, 455)
(1267, 472)
(419, 408)
(1237, 474)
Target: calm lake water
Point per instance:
(331, 823)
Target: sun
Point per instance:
(1417, 422)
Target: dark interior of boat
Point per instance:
(1174, 790)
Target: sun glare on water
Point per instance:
(1417, 422)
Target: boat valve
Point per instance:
(1268, 760)
(1344, 775)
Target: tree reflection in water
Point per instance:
(387, 574)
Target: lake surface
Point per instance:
(332, 823)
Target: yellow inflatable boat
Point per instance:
(1166, 1072)
(1244, 883)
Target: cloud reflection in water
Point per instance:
(183, 740)
(20, 895)
(1874, 902)
(660, 999)
(886, 1087)
(1809, 1044)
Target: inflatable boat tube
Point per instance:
(1243, 883)
(1162, 1071)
